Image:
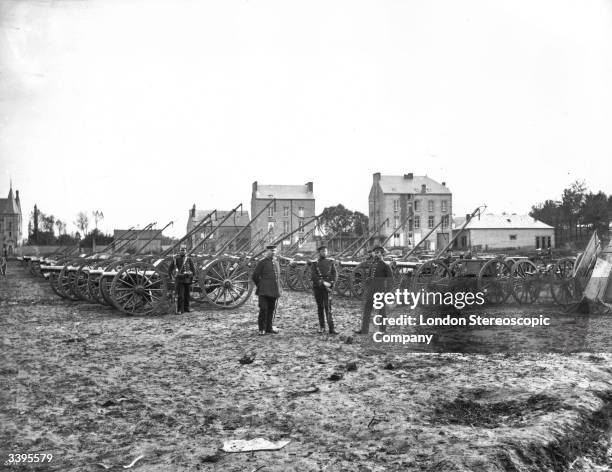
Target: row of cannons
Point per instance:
(139, 284)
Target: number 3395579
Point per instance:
(25, 458)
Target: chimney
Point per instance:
(193, 211)
(255, 186)
(468, 217)
(376, 176)
(443, 184)
(423, 188)
(309, 187)
(409, 176)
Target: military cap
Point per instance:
(321, 247)
(379, 248)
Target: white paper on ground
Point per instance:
(258, 444)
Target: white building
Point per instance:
(505, 231)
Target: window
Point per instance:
(396, 205)
(444, 206)
(430, 222)
(270, 225)
(271, 211)
(301, 212)
(396, 222)
(537, 242)
(285, 226)
(417, 221)
(417, 205)
(285, 211)
(549, 241)
(430, 205)
(463, 241)
(301, 223)
(445, 219)
(513, 237)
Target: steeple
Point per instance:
(10, 195)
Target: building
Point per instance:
(505, 231)
(10, 221)
(139, 239)
(228, 229)
(420, 199)
(295, 204)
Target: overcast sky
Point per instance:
(142, 108)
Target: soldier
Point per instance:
(3, 259)
(380, 279)
(267, 280)
(324, 276)
(182, 270)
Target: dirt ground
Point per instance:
(97, 390)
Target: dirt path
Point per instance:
(90, 386)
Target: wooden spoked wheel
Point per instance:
(495, 281)
(305, 277)
(431, 276)
(81, 285)
(526, 282)
(65, 281)
(563, 286)
(292, 277)
(226, 283)
(359, 280)
(343, 285)
(139, 289)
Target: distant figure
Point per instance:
(324, 276)
(380, 279)
(3, 260)
(266, 277)
(182, 271)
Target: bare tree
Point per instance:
(82, 222)
(97, 216)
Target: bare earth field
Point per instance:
(97, 390)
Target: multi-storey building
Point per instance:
(10, 221)
(419, 200)
(295, 205)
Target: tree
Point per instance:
(571, 202)
(341, 220)
(61, 227)
(98, 216)
(549, 212)
(594, 211)
(82, 222)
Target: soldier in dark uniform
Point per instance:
(380, 279)
(267, 280)
(324, 276)
(182, 270)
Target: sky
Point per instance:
(141, 108)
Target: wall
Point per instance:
(500, 238)
(278, 217)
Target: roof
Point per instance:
(399, 184)
(284, 192)
(491, 221)
(9, 206)
(238, 219)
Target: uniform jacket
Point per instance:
(380, 276)
(326, 272)
(177, 263)
(267, 278)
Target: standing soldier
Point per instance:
(324, 276)
(267, 280)
(380, 279)
(3, 259)
(181, 270)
